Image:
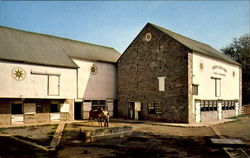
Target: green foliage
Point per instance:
(239, 51)
(239, 116)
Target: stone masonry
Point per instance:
(140, 65)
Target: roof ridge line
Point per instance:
(63, 38)
(179, 34)
(197, 46)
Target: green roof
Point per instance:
(35, 48)
(196, 45)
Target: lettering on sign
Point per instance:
(218, 67)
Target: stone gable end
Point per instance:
(143, 61)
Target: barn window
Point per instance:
(151, 108)
(195, 89)
(53, 85)
(102, 104)
(161, 83)
(208, 105)
(217, 82)
(154, 107)
(95, 104)
(202, 105)
(228, 105)
(54, 108)
(98, 103)
(16, 108)
(157, 107)
(39, 108)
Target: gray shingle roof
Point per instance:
(29, 47)
(196, 46)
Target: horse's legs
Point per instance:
(107, 121)
(101, 121)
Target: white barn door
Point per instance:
(137, 109)
(197, 112)
(54, 84)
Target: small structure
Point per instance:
(105, 133)
(44, 78)
(168, 77)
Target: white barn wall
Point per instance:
(99, 86)
(229, 83)
(35, 86)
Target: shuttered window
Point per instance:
(195, 89)
(154, 107)
(29, 108)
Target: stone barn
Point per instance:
(165, 76)
(44, 78)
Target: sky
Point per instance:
(116, 23)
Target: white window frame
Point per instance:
(161, 83)
(217, 83)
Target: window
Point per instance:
(98, 103)
(228, 105)
(16, 108)
(161, 83)
(208, 105)
(157, 107)
(151, 108)
(102, 104)
(202, 106)
(217, 86)
(54, 108)
(95, 104)
(154, 107)
(195, 89)
(39, 108)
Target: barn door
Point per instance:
(197, 112)
(54, 84)
(17, 113)
(137, 109)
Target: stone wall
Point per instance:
(5, 119)
(138, 69)
(228, 113)
(246, 109)
(191, 108)
(36, 118)
(209, 116)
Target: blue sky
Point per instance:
(117, 23)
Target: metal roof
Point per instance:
(196, 46)
(29, 47)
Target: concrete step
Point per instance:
(228, 142)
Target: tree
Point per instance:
(239, 51)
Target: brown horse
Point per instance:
(101, 116)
